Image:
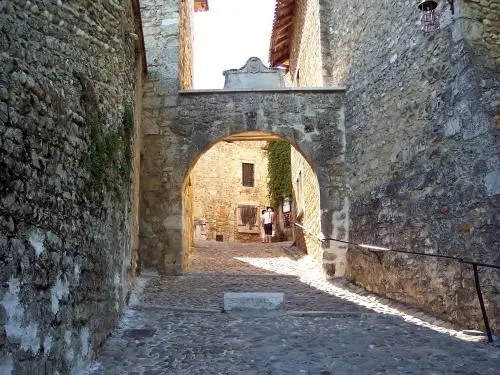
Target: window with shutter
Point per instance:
(247, 173)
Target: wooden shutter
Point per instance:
(247, 174)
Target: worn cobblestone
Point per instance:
(221, 257)
(175, 326)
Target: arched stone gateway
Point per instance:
(177, 132)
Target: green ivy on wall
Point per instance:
(279, 172)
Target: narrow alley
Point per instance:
(141, 139)
(175, 324)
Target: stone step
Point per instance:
(253, 301)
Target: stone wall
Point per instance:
(174, 138)
(218, 188)
(186, 44)
(188, 214)
(161, 25)
(136, 170)
(305, 57)
(422, 159)
(66, 131)
(306, 70)
(481, 22)
(305, 207)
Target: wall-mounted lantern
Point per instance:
(428, 18)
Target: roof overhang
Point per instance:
(136, 8)
(200, 5)
(281, 36)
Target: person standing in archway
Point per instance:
(261, 226)
(268, 224)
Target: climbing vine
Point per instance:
(279, 171)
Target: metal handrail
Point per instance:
(308, 231)
(461, 260)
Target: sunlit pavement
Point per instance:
(175, 325)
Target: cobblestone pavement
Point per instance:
(222, 257)
(174, 325)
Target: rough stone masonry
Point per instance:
(67, 78)
(422, 128)
(178, 136)
(410, 150)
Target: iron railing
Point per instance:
(474, 264)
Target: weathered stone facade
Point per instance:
(481, 22)
(306, 70)
(407, 158)
(162, 27)
(218, 190)
(309, 119)
(186, 44)
(305, 207)
(189, 224)
(67, 125)
(421, 150)
(305, 56)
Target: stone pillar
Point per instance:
(161, 187)
(334, 201)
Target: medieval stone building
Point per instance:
(100, 130)
(229, 187)
(420, 117)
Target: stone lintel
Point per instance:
(253, 301)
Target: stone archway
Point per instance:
(216, 191)
(179, 129)
(229, 186)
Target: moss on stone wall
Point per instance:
(67, 71)
(109, 156)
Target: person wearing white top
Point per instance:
(261, 222)
(268, 220)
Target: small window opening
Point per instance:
(248, 174)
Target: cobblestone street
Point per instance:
(175, 325)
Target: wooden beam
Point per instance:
(287, 7)
(289, 12)
(278, 42)
(200, 5)
(282, 61)
(284, 26)
(136, 9)
(270, 137)
(282, 41)
(284, 53)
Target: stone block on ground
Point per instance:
(253, 302)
